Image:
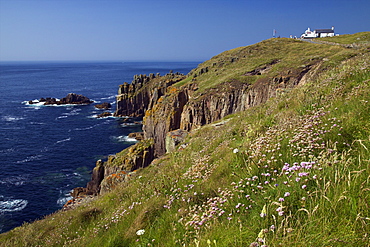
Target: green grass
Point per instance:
(291, 172)
(358, 38)
(234, 64)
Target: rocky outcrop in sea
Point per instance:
(70, 99)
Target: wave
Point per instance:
(124, 139)
(12, 205)
(14, 180)
(64, 140)
(6, 151)
(73, 112)
(37, 123)
(64, 197)
(87, 128)
(131, 124)
(30, 158)
(109, 97)
(96, 116)
(11, 118)
(37, 104)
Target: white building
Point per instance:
(318, 33)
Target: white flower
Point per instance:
(236, 151)
(140, 232)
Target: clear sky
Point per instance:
(161, 30)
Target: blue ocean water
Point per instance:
(45, 151)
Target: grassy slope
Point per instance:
(301, 161)
(290, 55)
(362, 38)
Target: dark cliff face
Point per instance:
(164, 116)
(186, 109)
(135, 98)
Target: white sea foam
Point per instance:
(64, 197)
(73, 112)
(64, 140)
(30, 158)
(110, 97)
(37, 123)
(124, 139)
(37, 104)
(14, 180)
(87, 128)
(96, 116)
(12, 205)
(5, 151)
(131, 124)
(12, 118)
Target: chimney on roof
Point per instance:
(332, 28)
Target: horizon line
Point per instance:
(93, 60)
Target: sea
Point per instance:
(46, 151)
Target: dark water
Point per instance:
(45, 151)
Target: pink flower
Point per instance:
(286, 194)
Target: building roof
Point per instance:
(324, 31)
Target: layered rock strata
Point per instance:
(135, 98)
(184, 108)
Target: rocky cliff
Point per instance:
(184, 108)
(118, 168)
(136, 97)
(228, 83)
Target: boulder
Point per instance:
(173, 138)
(104, 106)
(104, 114)
(78, 192)
(137, 135)
(112, 181)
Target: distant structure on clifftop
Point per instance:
(318, 33)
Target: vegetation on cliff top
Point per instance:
(271, 58)
(291, 172)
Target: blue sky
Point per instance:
(161, 30)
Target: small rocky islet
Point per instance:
(74, 99)
(70, 99)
